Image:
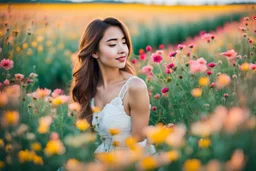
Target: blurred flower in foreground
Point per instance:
(7, 64)
(157, 134)
(10, 118)
(192, 165)
(222, 81)
(196, 92)
(59, 100)
(44, 124)
(54, 147)
(82, 124)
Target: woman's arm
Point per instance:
(138, 100)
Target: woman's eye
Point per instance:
(111, 45)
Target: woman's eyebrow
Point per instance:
(114, 39)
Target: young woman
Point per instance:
(104, 78)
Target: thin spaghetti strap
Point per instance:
(125, 87)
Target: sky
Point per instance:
(186, 2)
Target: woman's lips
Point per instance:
(121, 59)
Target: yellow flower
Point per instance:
(204, 143)
(158, 133)
(26, 156)
(54, 147)
(11, 117)
(44, 124)
(8, 148)
(108, 158)
(192, 165)
(245, 67)
(24, 45)
(40, 48)
(115, 143)
(72, 164)
(38, 160)
(96, 109)
(148, 162)
(34, 44)
(40, 38)
(196, 92)
(59, 100)
(1, 143)
(36, 146)
(222, 81)
(130, 142)
(114, 131)
(173, 155)
(1, 164)
(82, 124)
(18, 49)
(204, 81)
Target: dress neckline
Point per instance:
(118, 96)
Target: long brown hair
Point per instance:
(86, 72)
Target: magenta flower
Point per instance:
(209, 72)
(148, 48)
(180, 46)
(173, 54)
(253, 66)
(154, 108)
(156, 58)
(211, 65)
(143, 56)
(164, 90)
(170, 65)
(6, 64)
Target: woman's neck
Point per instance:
(110, 76)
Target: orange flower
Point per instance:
(196, 92)
(114, 131)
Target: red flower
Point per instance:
(156, 58)
(157, 96)
(161, 46)
(134, 61)
(6, 64)
(209, 72)
(148, 48)
(164, 90)
(211, 65)
(226, 95)
(141, 51)
(143, 56)
(154, 108)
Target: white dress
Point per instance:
(114, 116)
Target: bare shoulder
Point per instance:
(137, 85)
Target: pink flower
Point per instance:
(180, 46)
(253, 66)
(1, 84)
(230, 54)
(156, 58)
(134, 61)
(191, 46)
(41, 93)
(173, 54)
(157, 96)
(148, 48)
(207, 37)
(6, 64)
(170, 65)
(197, 66)
(143, 56)
(57, 92)
(74, 106)
(161, 46)
(226, 95)
(147, 69)
(19, 76)
(164, 90)
(211, 65)
(6, 82)
(201, 61)
(159, 52)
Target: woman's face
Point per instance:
(113, 49)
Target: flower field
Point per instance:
(202, 92)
